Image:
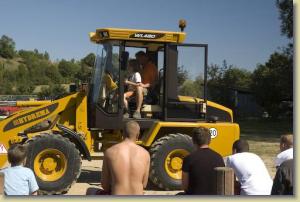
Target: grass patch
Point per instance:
(263, 137)
(264, 129)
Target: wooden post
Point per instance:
(1, 183)
(224, 181)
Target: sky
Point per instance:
(242, 32)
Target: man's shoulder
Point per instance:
(214, 152)
(210, 153)
(204, 152)
(123, 145)
(136, 74)
(286, 153)
(244, 157)
(112, 149)
(142, 150)
(241, 155)
(151, 65)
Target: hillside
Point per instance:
(32, 72)
(10, 64)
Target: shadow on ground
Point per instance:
(152, 187)
(94, 177)
(89, 176)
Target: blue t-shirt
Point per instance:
(19, 180)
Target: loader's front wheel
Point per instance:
(55, 161)
(167, 154)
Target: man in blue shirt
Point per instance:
(18, 180)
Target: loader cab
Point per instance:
(179, 93)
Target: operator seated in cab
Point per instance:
(149, 74)
(132, 82)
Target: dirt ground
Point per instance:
(91, 171)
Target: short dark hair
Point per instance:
(131, 129)
(16, 154)
(287, 139)
(201, 136)
(240, 146)
(135, 65)
(141, 53)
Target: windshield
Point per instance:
(105, 77)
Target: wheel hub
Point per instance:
(50, 165)
(176, 163)
(173, 163)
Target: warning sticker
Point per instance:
(3, 149)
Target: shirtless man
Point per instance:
(126, 165)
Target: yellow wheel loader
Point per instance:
(62, 132)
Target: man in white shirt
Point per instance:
(133, 81)
(250, 170)
(286, 149)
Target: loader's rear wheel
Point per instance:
(55, 161)
(167, 154)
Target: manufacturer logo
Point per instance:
(30, 117)
(213, 133)
(146, 35)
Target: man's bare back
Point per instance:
(127, 167)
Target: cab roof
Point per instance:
(104, 34)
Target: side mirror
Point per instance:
(124, 60)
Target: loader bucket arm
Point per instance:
(19, 121)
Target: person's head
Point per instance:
(286, 142)
(142, 57)
(240, 146)
(16, 154)
(133, 65)
(131, 130)
(201, 136)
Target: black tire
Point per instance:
(159, 151)
(55, 142)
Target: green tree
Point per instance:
(192, 88)
(84, 74)
(273, 83)
(7, 47)
(86, 68)
(89, 59)
(286, 16)
(222, 80)
(53, 74)
(54, 91)
(46, 55)
(182, 75)
(68, 69)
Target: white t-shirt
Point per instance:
(135, 78)
(283, 156)
(251, 173)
